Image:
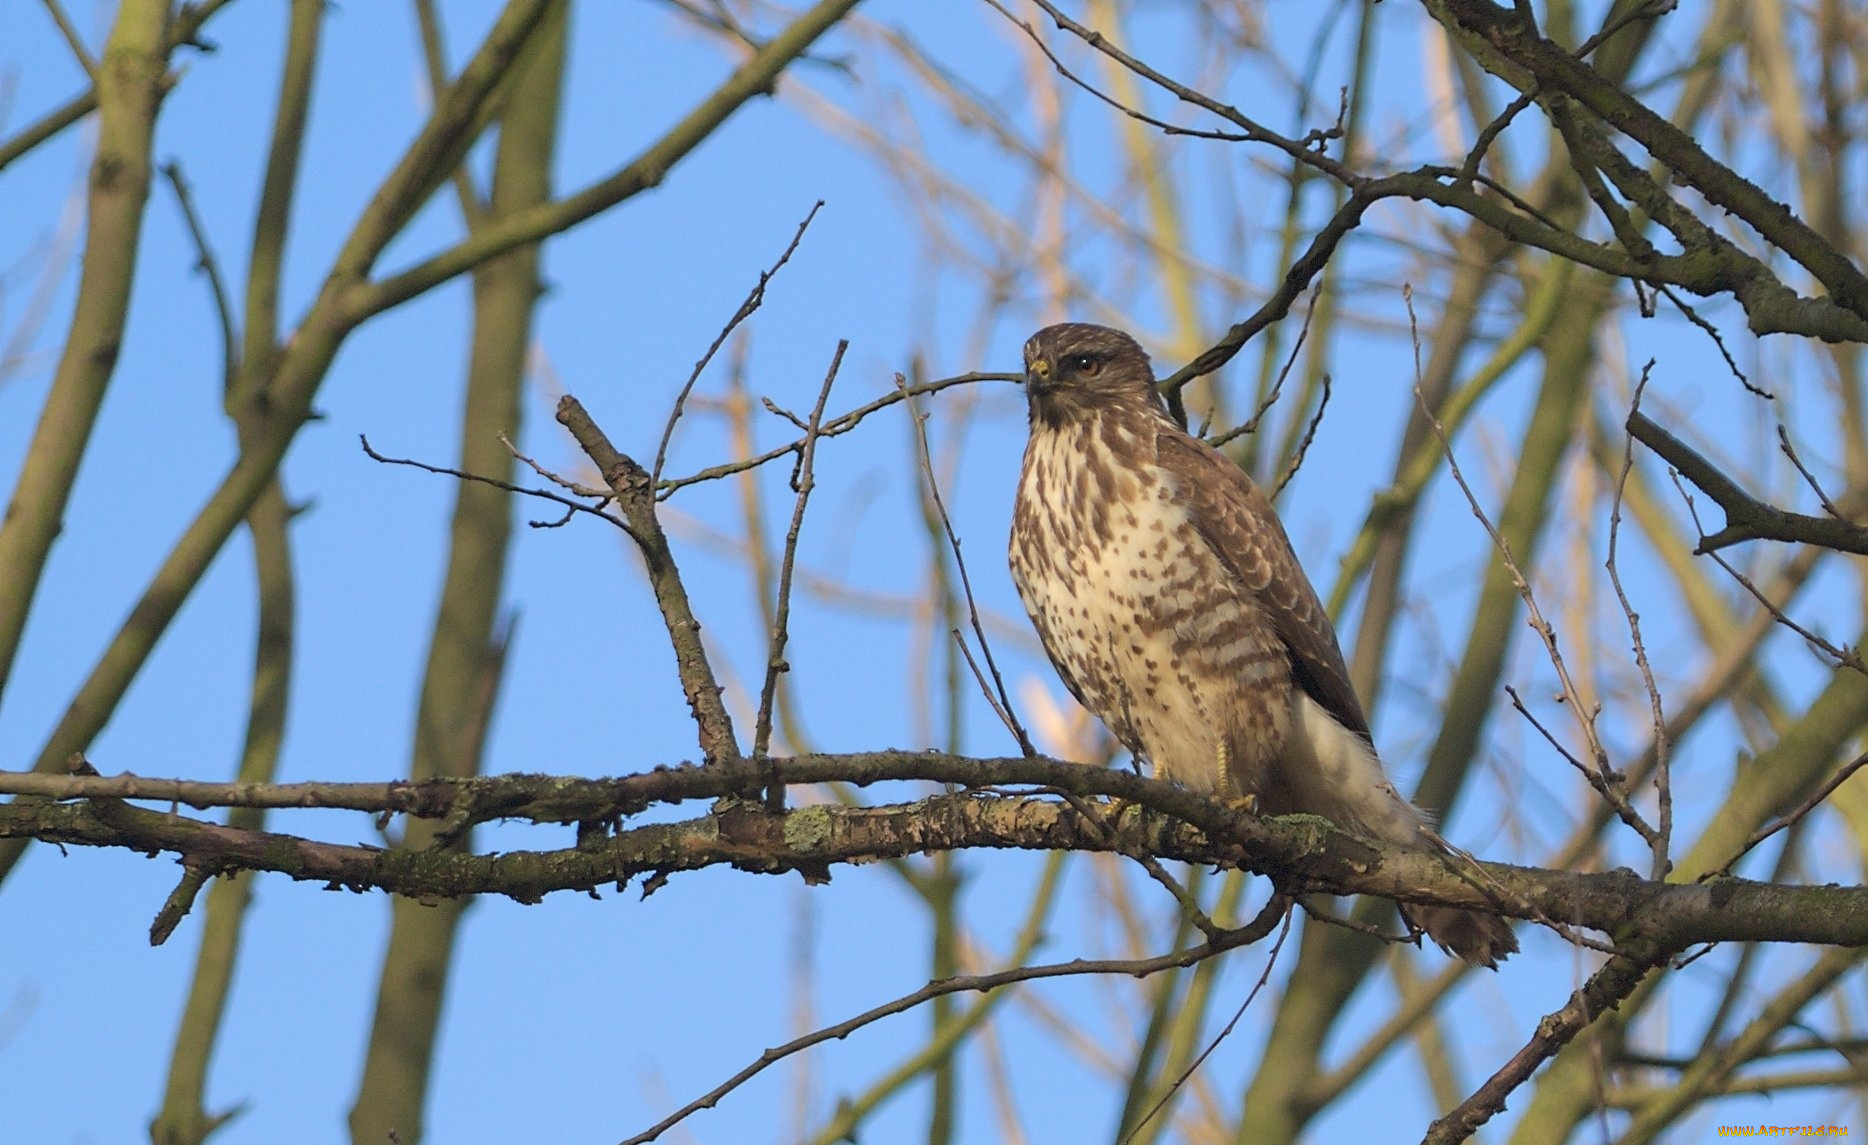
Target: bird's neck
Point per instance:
(1080, 467)
(1119, 432)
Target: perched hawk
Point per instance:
(1168, 597)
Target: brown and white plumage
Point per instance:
(1166, 593)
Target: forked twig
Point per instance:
(635, 496)
(803, 481)
(1746, 517)
(753, 301)
(1846, 657)
(1250, 425)
(1663, 774)
(543, 494)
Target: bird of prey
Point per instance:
(1167, 595)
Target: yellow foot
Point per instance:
(1247, 802)
(1227, 786)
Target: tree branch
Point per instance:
(635, 497)
(1746, 518)
(1605, 990)
(1303, 854)
(1557, 70)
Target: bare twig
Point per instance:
(1849, 1048)
(1475, 155)
(1096, 40)
(1847, 657)
(72, 39)
(1711, 331)
(1604, 778)
(1791, 818)
(1415, 1005)
(1841, 1080)
(717, 17)
(1663, 775)
(985, 689)
(1249, 129)
(1302, 273)
(542, 494)
(1004, 706)
(1284, 931)
(1254, 931)
(1602, 993)
(1790, 451)
(181, 900)
(1190, 907)
(1250, 425)
(777, 410)
(803, 481)
(1740, 988)
(752, 303)
(1560, 747)
(206, 263)
(835, 426)
(473, 203)
(575, 488)
(1303, 446)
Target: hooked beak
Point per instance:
(1038, 378)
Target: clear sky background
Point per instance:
(579, 1020)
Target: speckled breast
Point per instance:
(1148, 628)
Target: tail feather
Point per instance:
(1334, 772)
(1474, 937)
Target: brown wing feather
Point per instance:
(1239, 524)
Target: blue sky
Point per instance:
(577, 1020)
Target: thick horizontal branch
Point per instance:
(575, 799)
(1746, 517)
(1301, 853)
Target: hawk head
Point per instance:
(1075, 368)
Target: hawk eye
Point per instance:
(1088, 365)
